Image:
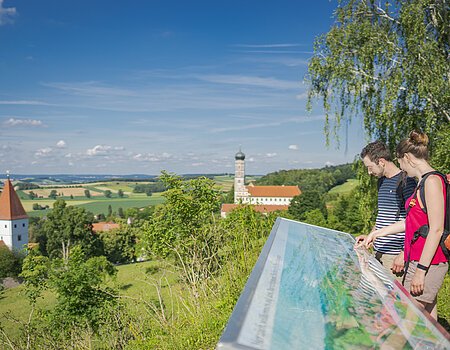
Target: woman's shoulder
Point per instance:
(434, 181)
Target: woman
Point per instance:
(425, 260)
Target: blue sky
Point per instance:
(140, 86)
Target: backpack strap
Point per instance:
(421, 187)
(380, 182)
(401, 185)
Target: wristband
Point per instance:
(422, 267)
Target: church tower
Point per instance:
(240, 192)
(13, 219)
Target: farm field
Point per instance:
(224, 182)
(64, 192)
(101, 206)
(28, 203)
(98, 203)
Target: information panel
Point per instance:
(310, 289)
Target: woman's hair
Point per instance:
(416, 144)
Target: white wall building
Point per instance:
(13, 219)
(264, 198)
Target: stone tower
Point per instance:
(13, 219)
(240, 192)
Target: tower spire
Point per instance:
(10, 206)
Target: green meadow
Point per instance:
(345, 188)
(135, 282)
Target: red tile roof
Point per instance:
(10, 206)
(273, 191)
(262, 208)
(104, 226)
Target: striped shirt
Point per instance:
(389, 213)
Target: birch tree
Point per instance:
(388, 62)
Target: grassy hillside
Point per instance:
(345, 188)
(134, 281)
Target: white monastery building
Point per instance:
(13, 219)
(263, 198)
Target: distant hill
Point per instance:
(49, 179)
(321, 180)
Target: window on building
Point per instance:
(15, 225)
(23, 225)
(6, 226)
(19, 238)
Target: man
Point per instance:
(394, 188)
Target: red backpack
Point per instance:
(423, 230)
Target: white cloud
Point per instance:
(302, 96)
(244, 127)
(91, 88)
(7, 14)
(61, 144)
(271, 155)
(293, 147)
(43, 152)
(278, 52)
(267, 45)
(24, 102)
(328, 163)
(152, 157)
(279, 122)
(11, 122)
(271, 83)
(103, 150)
(286, 60)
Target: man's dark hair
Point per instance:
(376, 150)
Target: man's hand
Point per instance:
(359, 241)
(398, 264)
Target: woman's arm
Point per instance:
(396, 227)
